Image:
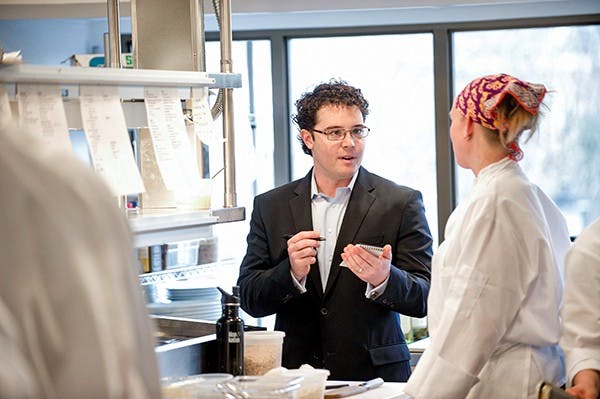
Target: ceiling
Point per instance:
(38, 7)
(32, 9)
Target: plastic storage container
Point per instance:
(262, 387)
(313, 384)
(262, 351)
(194, 386)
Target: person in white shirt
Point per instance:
(580, 338)
(497, 278)
(72, 318)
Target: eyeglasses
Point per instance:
(338, 134)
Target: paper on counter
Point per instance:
(171, 145)
(108, 139)
(41, 111)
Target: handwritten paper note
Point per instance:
(202, 117)
(41, 111)
(108, 139)
(169, 138)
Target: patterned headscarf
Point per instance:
(479, 99)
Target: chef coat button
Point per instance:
(324, 312)
(374, 295)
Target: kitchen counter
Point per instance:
(389, 390)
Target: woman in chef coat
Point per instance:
(581, 314)
(497, 278)
(72, 318)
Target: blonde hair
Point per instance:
(511, 120)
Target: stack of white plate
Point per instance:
(188, 299)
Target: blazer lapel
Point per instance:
(300, 207)
(360, 202)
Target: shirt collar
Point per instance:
(496, 167)
(314, 192)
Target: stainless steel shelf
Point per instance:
(224, 268)
(24, 73)
(151, 227)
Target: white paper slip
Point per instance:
(169, 138)
(372, 249)
(41, 111)
(108, 139)
(202, 117)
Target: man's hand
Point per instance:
(369, 268)
(302, 251)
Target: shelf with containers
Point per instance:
(168, 51)
(149, 226)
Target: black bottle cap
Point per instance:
(230, 299)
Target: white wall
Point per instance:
(45, 41)
(52, 41)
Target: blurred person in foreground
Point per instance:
(497, 278)
(580, 338)
(344, 319)
(72, 318)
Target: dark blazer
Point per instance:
(355, 338)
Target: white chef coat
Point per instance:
(581, 306)
(495, 293)
(72, 318)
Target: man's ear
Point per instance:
(308, 138)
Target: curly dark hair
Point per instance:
(334, 92)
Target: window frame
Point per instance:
(443, 85)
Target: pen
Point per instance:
(336, 386)
(288, 236)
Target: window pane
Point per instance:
(253, 126)
(562, 156)
(395, 73)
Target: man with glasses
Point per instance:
(337, 303)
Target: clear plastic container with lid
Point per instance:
(262, 351)
(194, 386)
(313, 381)
(261, 387)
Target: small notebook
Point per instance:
(372, 249)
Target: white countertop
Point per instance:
(389, 390)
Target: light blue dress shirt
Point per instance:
(327, 216)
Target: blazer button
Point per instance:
(324, 312)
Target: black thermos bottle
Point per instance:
(230, 334)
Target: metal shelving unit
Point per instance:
(161, 226)
(131, 82)
(151, 226)
(223, 269)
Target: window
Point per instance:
(253, 125)
(562, 157)
(395, 73)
